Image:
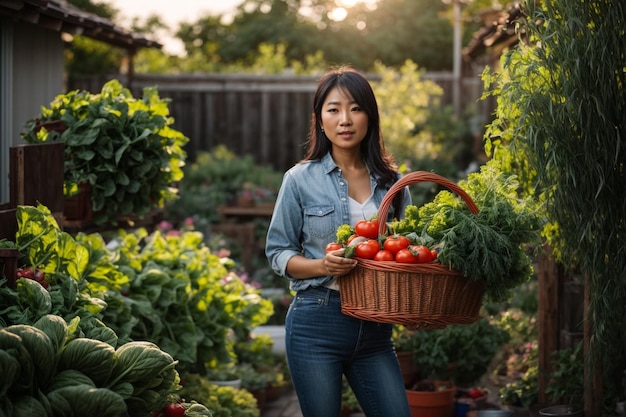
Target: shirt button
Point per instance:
(319, 212)
(343, 199)
(341, 183)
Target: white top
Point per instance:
(358, 211)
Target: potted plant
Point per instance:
(458, 353)
(224, 375)
(222, 401)
(404, 343)
(255, 381)
(448, 358)
(124, 148)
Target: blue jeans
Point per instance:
(323, 344)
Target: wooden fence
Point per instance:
(265, 116)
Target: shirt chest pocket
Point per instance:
(319, 221)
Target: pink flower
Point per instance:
(164, 226)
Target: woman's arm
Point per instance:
(333, 263)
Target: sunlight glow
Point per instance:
(338, 14)
(341, 11)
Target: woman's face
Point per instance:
(343, 121)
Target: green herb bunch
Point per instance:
(492, 246)
(125, 147)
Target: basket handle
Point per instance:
(414, 178)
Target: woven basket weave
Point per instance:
(418, 296)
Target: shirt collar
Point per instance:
(329, 165)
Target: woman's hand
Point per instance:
(336, 264)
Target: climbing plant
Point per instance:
(560, 123)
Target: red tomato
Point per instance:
(406, 256)
(367, 228)
(422, 252)
(384, 255)
(333, 246)
(367, 249)
(174, 410)
(434, 253)
(394, 243)
(476, 393)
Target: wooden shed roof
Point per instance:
(60, 16)
(498, 33)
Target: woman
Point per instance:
(342, 179)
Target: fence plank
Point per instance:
(267, 116)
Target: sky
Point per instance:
(171, 11)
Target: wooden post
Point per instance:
(547, 318)
(36, 176)
(593, 368)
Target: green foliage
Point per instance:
(167, 289)
(257, 365)
(75, 283)
(222, 401)
(566, 383)
(460, 353)
(48, 366)
(491, 246)
(124, 147)
(184, 298)
(524, 390)
(391, 32)
(559, 123)
(409, 106)
(214, 179)
(88, 57)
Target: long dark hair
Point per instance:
(373, 151)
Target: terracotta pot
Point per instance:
(432, 403)
(408, 367)
(245, 202)
(272, 393)
(261, 399)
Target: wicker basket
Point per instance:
(419, 296)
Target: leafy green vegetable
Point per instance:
(70, 377)
(40, 349)
(85, 400)
(10, 371)
(55, 328)
(27, 406)
(93, 358)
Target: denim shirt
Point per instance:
(311, 204)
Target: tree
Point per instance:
(559, 121)
(399, 30)
(394, 31)
(87, 57)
